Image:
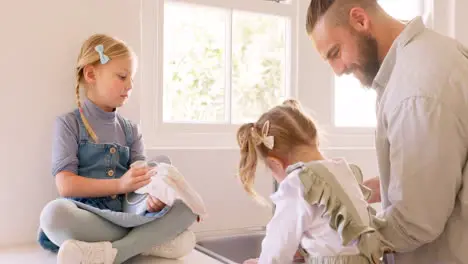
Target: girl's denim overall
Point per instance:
(99, 161)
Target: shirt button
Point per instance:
(110, 173)
(114, 196)
(112, 150)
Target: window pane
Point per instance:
(355, 105)
(403, 9)
(258, 64)
(194, 63)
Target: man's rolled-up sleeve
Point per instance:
(427, 155)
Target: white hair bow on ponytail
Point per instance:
(268, 141)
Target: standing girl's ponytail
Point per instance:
(248, 159)
(277, 133)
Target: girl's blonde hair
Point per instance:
(112, 48)
(277, 133)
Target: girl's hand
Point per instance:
(298, 258)
(251, 261)
(154, 204)
(374, 185)
(134, 179)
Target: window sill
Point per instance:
(227, 140)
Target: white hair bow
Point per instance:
(268, 141)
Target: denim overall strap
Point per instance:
(127, 130)
(82, 129)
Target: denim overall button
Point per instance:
(112, 150)
(110, 173)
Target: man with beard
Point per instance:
(421, 79)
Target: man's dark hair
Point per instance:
(339, 10)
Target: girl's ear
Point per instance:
(274, 164)
(89, 74)
(277, 167)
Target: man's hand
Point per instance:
(154, 204)
(374, 185)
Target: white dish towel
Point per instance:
(168, 184)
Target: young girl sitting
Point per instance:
(93, 149)
(319, 205)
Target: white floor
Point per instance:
(34, 254)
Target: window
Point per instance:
(209, 65)
(355, 105)
(222, 65)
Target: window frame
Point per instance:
(159, 134)
(308, 73)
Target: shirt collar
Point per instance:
(95, 111)
(412, 29)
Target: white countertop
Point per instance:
(34, 254)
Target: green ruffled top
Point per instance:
(322, 188)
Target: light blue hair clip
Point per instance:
(103, 57)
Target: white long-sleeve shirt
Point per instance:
(297, 222)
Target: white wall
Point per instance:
(460, 21)
(39, 46)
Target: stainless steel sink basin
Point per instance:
(233, 248)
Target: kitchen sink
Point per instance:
(232, 248)
(236, 246)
